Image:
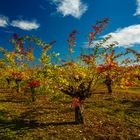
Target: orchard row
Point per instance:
(98, 63)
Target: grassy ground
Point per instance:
(106, 117)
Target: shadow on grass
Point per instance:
(13, 98)
(132, 112)
(136, 103)
(10, 100)
(30, 124)
(132, 103)
(6, 90)
(26, 121)
(134, 108)
(3, 112)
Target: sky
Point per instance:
(54, 19)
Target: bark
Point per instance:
(8, 81)
(18, 85)
(109, 87)
(78, 115)
(108, 83)
(33, 94)
(78, 110)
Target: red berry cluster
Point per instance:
(76, 102)
(34, 83)
(106, 66)
(17, 75)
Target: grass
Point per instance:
(106, 117)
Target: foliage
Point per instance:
(97, 64)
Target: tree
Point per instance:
(76, 78)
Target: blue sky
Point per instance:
(55, 19)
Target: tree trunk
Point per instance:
(108, 83)
(18, 87)
(77, 106)
(8, 81)
(78, 115)
(109, 87)
(33, 94)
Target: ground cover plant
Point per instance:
(105, 117)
